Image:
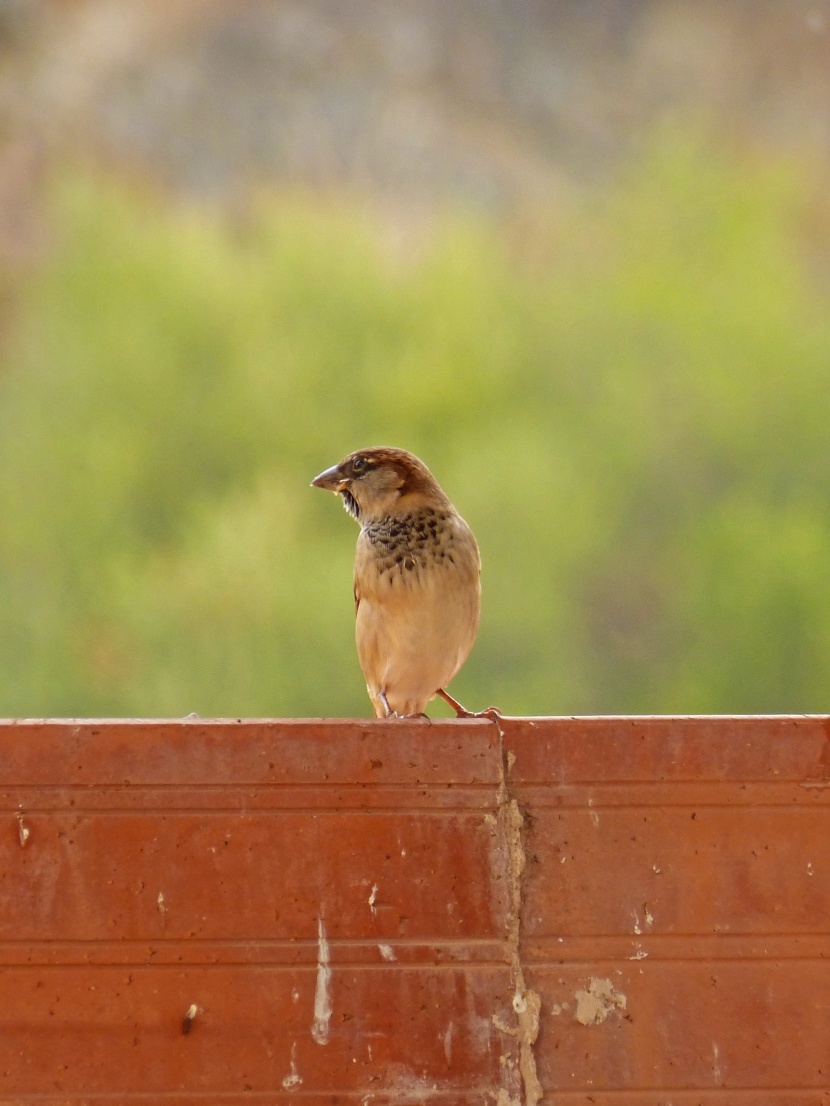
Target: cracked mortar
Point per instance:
(526, 1002)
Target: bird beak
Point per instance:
(332, 480)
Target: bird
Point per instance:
(417, 582)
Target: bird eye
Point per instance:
(358, 464)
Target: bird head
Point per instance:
(376, 483)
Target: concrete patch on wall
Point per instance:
(597, 1001)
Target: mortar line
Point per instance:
(526, 1003)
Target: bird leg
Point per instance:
(493, 713)
(394, 714)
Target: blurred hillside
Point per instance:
(574, 255)
(479, 102)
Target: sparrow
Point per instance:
(416, 579)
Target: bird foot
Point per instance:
(394, 714)
(493, 713)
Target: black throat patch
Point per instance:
(350, 503)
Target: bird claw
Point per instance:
(493, 713)
(394, 714)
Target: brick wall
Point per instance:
(617, 912)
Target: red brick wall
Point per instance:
(360, 911)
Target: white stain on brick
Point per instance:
(293, 1080)
(322, 997)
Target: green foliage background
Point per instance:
(626, 397)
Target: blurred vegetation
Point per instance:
(627, 399)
